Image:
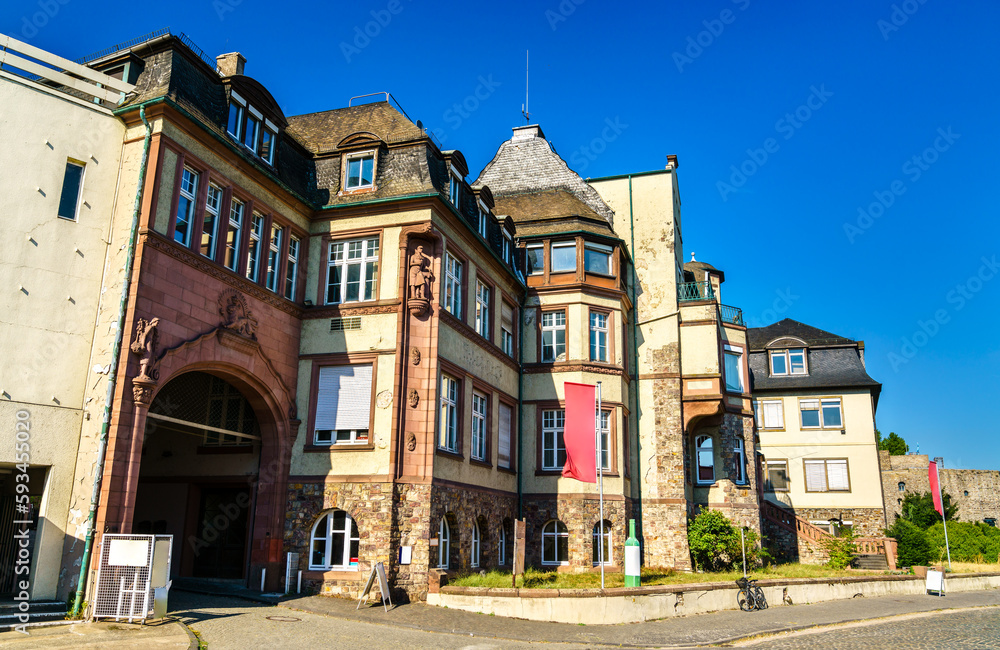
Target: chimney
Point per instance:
(672, 160)
(230, 64)
(528, 132)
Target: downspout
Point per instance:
(95, 496)
(635, 369)
(520, 400)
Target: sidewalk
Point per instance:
(702, 629)
(168, 635)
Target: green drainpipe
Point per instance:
(95, 496)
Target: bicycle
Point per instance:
(750, 597)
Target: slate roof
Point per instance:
(692, 267)
(829, 367)
(527, 163)
(758, 337)
(322, 132)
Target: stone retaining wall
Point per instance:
(633, 605)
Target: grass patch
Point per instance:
(972, 567)
(535, 579)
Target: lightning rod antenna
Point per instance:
(524, 107)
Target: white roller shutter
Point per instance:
(836, 471)
(503, 451)
(344, 398)
(773, 416)
(816, 476)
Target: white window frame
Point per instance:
(448, 418)
(213, 209)
(79, 190)
(455, 189)
(826, 462)
(820, 404)
(189, 192)
(502, 546)
(451, 297)
(602, 529)
(444, 543)
(553, 328)
(552, 256)
(598, 248)
(557, 531)
(484, 220)
(349, 435)
(786, 357)
(737, 352)
(553, 443)
(476, 545)
(540, 270)
(768, 484)
(275, 244)
(257, 223)
(350, 526)
(237, 212)
(341, 256)
(360, 157)
(270, 129)
(770, 418)
(606, 439)
(507, 330)
(699, 453)
(258, 122)
(480, 408)
(483, 295)
(508, 245)
(292, 266)
(599, 336)
(240, 104)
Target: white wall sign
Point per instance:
(128, 552)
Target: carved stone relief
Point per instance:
(144, 345)
(415, 356)
(384, 399)
(411, 441)
(414, 398)
(236, 314)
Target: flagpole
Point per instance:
(943, 510)
(600, 484)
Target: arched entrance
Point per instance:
(198, 475)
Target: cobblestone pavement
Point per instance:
(957, 630)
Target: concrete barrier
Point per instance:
(633, 605)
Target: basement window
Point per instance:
(69, 200)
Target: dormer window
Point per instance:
(597, 258)
(360, 170)
(249, 127)
(534, 259)
(236, 110)
(484, 219)
(455, 189)
(508, 245)
(788, 362)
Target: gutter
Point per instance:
(95, 497)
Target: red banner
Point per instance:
(579, 433)
(932, 475)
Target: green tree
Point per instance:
(913, 548)
(715, 543)
(919, 509)
(894, 444)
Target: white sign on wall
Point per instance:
(128, 552)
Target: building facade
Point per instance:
(815, 407)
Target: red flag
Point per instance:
(932, 474)
(579, 433)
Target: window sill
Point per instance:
(447, 453)
(227, 449)
(548, 472)
(356, 190)
(318, 449)
(481, 463)
(507, 470)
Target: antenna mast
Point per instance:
(524, 107)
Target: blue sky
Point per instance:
(836, 159)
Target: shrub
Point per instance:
(842, 550)
(969, 542)
(715, 543)
(913, 547)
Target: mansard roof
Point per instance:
(324, 132)
(760, 338)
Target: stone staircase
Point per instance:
(871, 562)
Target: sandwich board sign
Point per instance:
(935, 582)
(378, 571)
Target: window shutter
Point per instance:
(503, 452)
(507, 316)
(836, 471)
(816, 476)
(773, 417)
(344, 398)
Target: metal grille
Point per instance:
(345, 323)
(291, 571)
(205, 406)
(124, 590)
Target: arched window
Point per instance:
(502, 545)
(706, 461)
(475, 544)
(606, 537)
(741, 461)
(444, 543)
(902, 486)
(555, 543)
(334, 542)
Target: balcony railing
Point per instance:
(689, 291)
(733, 315)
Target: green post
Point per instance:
(631, 557)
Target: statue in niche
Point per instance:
(144, 345)
(420, 274)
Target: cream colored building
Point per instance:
(61, 166)
(815, 408)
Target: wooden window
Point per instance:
(769, 414)
(788, 362)
(352, 271)
(448, 423)
(555, 543)
(705, 460)
(563, 257)
(444, 544)
(553, 336)
(504, 451)
(480, 403)
(777, 476)
(483, 309)
(451, 298)
(274, 257)
(292, 267)
(598, 336)
(740, 458)
(185, 206)
(507, 328)
(734, 369)
(828, 475)
(553, 445)
(476, 541)
(360, 170)
(234, 234)
(257, 222)
(335, 542)
(601, 543)
(210, 222)
(820, 413)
